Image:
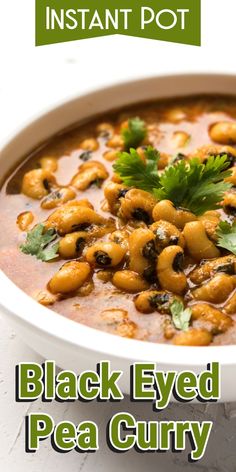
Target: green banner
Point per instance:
(178, 21)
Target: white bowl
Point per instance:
(71, 344)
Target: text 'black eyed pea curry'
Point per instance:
(127, 223)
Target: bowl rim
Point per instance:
(56, 106)
(20, 306)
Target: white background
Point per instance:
(30, 80)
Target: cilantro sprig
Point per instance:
(134, 134)
(227, 236)
(137, 173)
(195, 186)
(189, 184)
(38, 243)
(180, 316)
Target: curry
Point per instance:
(127, 223)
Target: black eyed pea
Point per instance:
(232, 178)
(229, 202)
(97, 231)
(165, 210)
(120, 237)
(105, 254)
(49, 163)
(134, 224)
(73, 244)
(170, 270)
(193, 337)
(58, 197)
(116, 142)
(211, 220)
(38, 183)
(230, 305)
(89, 173)
(89, 144)
(116, 178)
(206, 313)
(111, 156)
(84, 202)
(129, 281)
(154, 300)
(104, 275)
(223, 132)
(198, 244)
(105, 130)
(166, 234)
(70, 277)
(175, 115)
(168, 328)
(217, 290)
(142, 249)
(73, 216)
(138, 205)
(180, 139)
(226, 264)
(24, 220)
(204, 152)
(212, 215)
(113, 192)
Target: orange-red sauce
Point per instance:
(32, 275)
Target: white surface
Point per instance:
(30, 79)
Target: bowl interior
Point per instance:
(17, 304)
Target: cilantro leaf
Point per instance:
(195, 186)
(227, 236)
(137, 173)
(189, 184)
(180, 315)
(49, 253)
(37, 243)
(134, 134)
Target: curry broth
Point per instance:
(32, 275)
